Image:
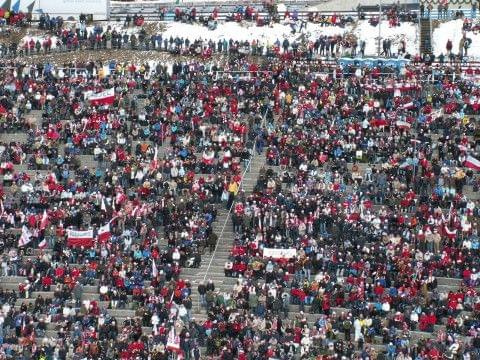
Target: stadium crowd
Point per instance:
(359, 240)
(369, 192)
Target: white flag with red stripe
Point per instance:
(472, 163)
(462, 148)
(103, 207)
(120, 198)
(403, 124)
(136, 212)
(106, 97)
(173, 341)
(450, 233)
(44, 220)
(43, 244)
(26, 236)
(80, 238)
(154, 163)
(104, 233)
(408, 105)
(154, 269)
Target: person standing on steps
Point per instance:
(78, 292)
(187, 302)
(232, 192)
(212, 241)
(202, 290)
(210, 285)
(210, 299)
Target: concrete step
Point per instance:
(14, 137)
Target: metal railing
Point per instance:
(450, 15)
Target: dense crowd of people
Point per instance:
(367, 197)
(358, 241)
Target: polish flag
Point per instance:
(173, 341)
(106, 97)
(80, 238)
(154, 269)
(104, 233)
(451, 234)
(462, 148)
(403, 124)
(43, 244)
(26, 236)
(44, 220)
(103, 207)
(408, 105)
(135, 212)
(120, 198)
(154, 163)
(472, 163)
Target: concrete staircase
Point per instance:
(213, 264)
(425, 36)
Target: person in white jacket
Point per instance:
(357, 325)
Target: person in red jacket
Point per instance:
(326, 304)
(47, 282)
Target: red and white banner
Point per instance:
(42, 244)
(408, 106)
(173, 341)
(472, 163)
(120, 198)
(208, 158)
(26, 236)
(44, 220)
(106, 97)
(154, 269)
(403, 124)
(104, 233)
(462, 148)
(279, 253)
(154, 163)
(80, 238)
(103, 207)
(451, 234)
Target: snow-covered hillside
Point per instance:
(453, 30)
(267, 35)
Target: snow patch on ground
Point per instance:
(453, 30)
(248, 31)
(268, 35)
(406, 31)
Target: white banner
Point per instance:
(279, 253)
(76, 234)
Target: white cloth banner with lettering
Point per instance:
(279, 253)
